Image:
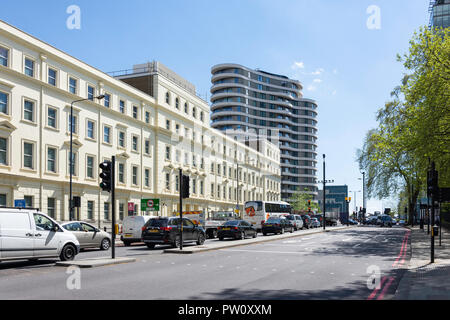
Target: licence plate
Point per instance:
(154, 231)
(226, 229)
(128, 235)
(268, 225)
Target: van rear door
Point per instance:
(17, 235)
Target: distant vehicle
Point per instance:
(352, 222)
(315, 223)
(165, 230)
(277, 225)
(88, 235)
(307, 222)
(377, 213)
(132, 229)
(296, 220)
(385, 221)
(332, 218)
(236, 229)
(212, 223)
(319, 217)
(371, 220)
(401, 223)
(258, 212)
(27, 234)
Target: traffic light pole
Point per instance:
(181, 209)
(113, 206)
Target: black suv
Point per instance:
(277, 225)
(166, 231)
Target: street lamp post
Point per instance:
(324, 193)
(364, 196)
(72, 127)
(354, 197)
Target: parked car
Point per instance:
(401, 223)
(277, 225)
(385, 221)
(371, 221)
(307, 222)
(165, 230)
(88, 236)
(132, 229)
(296, 220)
(315, 223)
(30, 234)
(236, 229)
(352, 222)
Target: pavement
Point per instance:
(422, 279)
(95, 262)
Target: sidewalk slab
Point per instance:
(97, 262)
(424, 280)
(260, 239)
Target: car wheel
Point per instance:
(200, 239)
(255, 235)
(220, 238)
(177, 242)
(292, 230)
(68, 253)
(126, 243)
(150, 245)
(264, 233)
(282, 231)
(105, 244)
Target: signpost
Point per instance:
(149, 204)
(21, 203)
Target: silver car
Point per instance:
(88, 235)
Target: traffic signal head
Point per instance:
(185, 187)
(106, 176)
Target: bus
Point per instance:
(257, 212)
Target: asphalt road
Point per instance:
(332, 265)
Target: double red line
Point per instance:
(397, 263)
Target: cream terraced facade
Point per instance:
(151, 136)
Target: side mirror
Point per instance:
(55, 228)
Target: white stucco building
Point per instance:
(152, 132)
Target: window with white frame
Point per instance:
(168, 151)
(107, 100)
(135, 143)
(90, 166)
(73, 163)
(135, 112)
(147, 147)
(90, 92)
(28, 110)
(134, 177)
(122, 139)
(29, 67)
(3, 151)
(73, 85)
(4, 103)
(107, 134)
(52, 76)
(52, 159)
(147, 178)
(167, 181)
(121, 173)
(122, 106)
(28, 155)
(147, 117)
(4, 56)
(73, 124)
(90, 129)
(52, 117)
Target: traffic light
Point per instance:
(106, 176)
(185, 187)
(432, 183)
(309, 205)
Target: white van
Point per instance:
(132, 229)
(30, 234)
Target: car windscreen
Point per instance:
(231, 223)
(290, 217)
(273, 220)
(157, 223)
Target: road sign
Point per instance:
(149, 204)
(20, 203)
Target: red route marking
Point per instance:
(374, 292)
(386, 287)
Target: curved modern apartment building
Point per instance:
(253, 103)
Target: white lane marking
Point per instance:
(261, 251)
(348, 239)
(356, 245)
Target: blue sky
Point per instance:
(346, 67)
